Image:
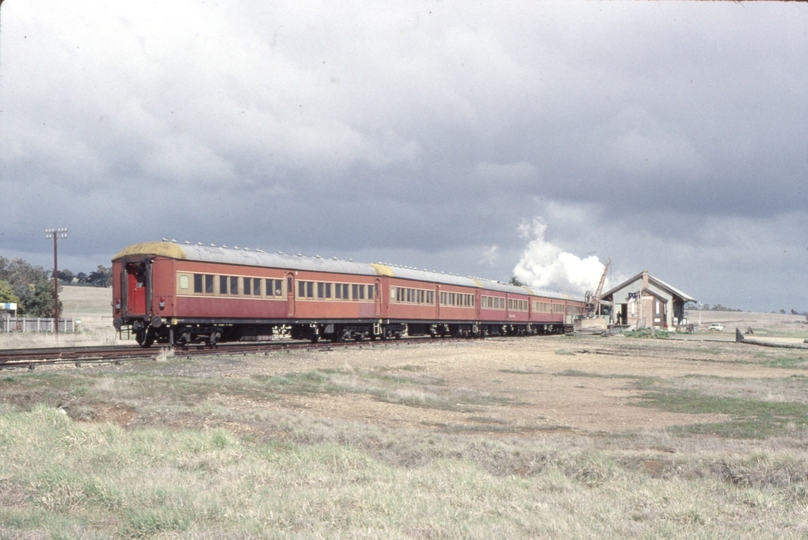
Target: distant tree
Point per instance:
(794, 311)
(782, 312)
(66, 276)
(102, 277)
(41, 302)
(516, 282)
(31, 285)
(82, 277)
(6, 294)
(720, 307)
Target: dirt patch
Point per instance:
(510, 387)
(121, 415)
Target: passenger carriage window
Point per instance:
(289, 285)
(310, 289)
(361, 292)
(301, 289)
(370, 291)
(208, 284)
(320, 290)
(198, 283)
(222, 284)
(233, 285)
(247, 286)
(184, 282)
(355, 291)
(338, 290)
(328, 290)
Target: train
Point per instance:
(180, 294)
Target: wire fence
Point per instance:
(19, 324)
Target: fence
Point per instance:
(17, 324)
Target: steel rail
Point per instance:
(31, 358)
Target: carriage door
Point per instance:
(290, 294)
(378, 298)
(136, 288)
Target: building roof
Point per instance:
(651, 279)
(246, 257)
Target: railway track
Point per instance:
(33, 358)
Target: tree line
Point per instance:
(31, 287)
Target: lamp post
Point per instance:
(56, 234)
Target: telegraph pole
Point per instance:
(56, 234)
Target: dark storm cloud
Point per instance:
(669, 135)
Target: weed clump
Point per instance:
(647, 333)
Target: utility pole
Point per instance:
(56, 234)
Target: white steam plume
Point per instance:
(547, 266)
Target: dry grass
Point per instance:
(331, 479)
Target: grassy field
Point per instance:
(562, 437)
(89, 306)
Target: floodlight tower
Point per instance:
(56, 234)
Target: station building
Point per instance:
(644, 301)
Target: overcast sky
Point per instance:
(671, 136)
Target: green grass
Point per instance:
(647, 333)
(788, 362)
(526, 370)
(749, 418)
(639, 380)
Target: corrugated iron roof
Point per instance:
(684, 296)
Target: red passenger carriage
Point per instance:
(178, 294)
